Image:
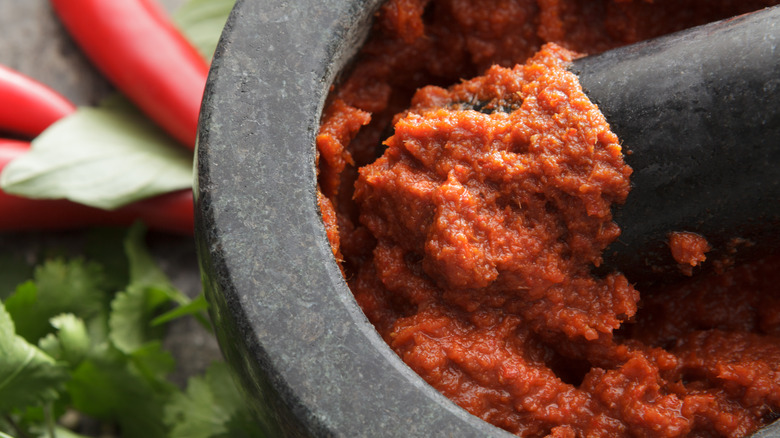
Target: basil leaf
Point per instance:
(202, 21)
(104, 157)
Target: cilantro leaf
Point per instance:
(131, 313)
(104, 157)
(133, 309)
(59, 286)
(211, 407)
(141, 265)
(154, 364)
(71, 343)
(27, 375)
(112, 388)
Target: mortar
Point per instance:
(307, 359)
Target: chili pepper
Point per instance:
(171, 212)
(27, 107)
(138, 48)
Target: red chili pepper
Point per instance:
(171, 212)
(140, 50)
(27, 107)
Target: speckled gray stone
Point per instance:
(308, 360)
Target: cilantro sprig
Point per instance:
(71, 341)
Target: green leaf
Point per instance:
(194, 308)
(131, 315)
(211, 407)
(58, 287)
(113, 389)
(133, 309)
(71, 343)
(40, 422)
(143, 269)
(22, 305)
(154, 364)
(202, 22)
(50, 345)
(104, 157)
(63, 432)
(28, 376)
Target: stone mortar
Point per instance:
(308, 360)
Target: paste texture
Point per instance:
(466, 184)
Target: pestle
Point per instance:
(698, 115)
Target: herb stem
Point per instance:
(49, 418)
(19, 432)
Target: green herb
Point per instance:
(81, 346)
(210, 408)
(104, 157)
(58, 286)
(28, 376)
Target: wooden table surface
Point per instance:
(33, 42)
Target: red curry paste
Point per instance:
(469, 242)
(688, 250)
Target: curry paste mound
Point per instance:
(503, 202)
(468, 219)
